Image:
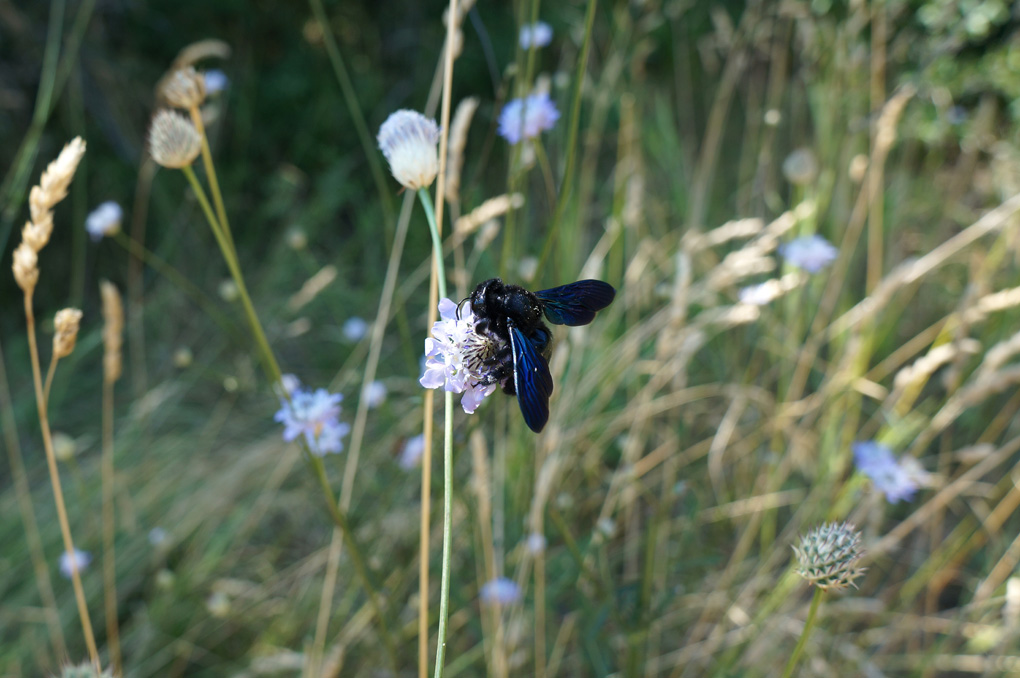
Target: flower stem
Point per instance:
(437, 243)
(109, 554)
(210, 172)
(58, 493)
(444, 586)
(272, 368)
(797, 651)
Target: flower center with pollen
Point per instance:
(478, 351)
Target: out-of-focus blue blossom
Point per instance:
(889, 476)
(410, 454)
(354, 329)
(215, 81)
(527, 118)
(78, 560)
(500, 591)
(316, 416)
(538, 34)
(810, 252)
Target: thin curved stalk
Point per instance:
(797, 651)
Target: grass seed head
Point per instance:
(829, 554)
(66, 323)
(26, 267)
(173, 140)
(113, 330)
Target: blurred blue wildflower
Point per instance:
(527, 118)
(538, 34)
(78, 560)
(375, 394)
(215, 81)
(810, 252)
(410, 454)
(500, 591)
(889, 476)
(316, 415)
(104, 220)
(354, 329)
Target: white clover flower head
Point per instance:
(316, 416)
(355, 329)
(410, 453)
(375, 394)
(538, 34)
(500, 591)
(408, 140)
(896, 480)
(527, 118)
(104, 220)
(215, 81)
(74, 561)
(456, 356)
(536, 543)
(810, 252)
(828, 556)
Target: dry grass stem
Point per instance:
(487, 211)
(458, 142)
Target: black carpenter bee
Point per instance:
(513, 316)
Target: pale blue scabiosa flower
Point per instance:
(500, 591)
(157, 536)
(408, 140)
(215, 81)
(538, 34)
(527, 118)
(810, 252)
(456, 355)
(375, 394)
(410, 453)
(104, 220)
(316, 416)
(889, 476)
(354, 329)
(78, 560)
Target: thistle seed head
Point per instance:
(408, 140)
(184, 88)
(66, 323)
(173, 140)
(828, 556)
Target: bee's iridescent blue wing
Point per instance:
(576, 303)
(532, 380)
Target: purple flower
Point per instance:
(500, 591)
(538, 34)
(78, 560)
(456, 355)
(316, 415)
(809, 252)
(527, 118)
(890, 477)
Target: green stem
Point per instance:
(575, 117)
(340, 519)
(214, 184)
(444, 587)
(437, 244)
(792, 664)
(268, 359)
(272, 370)
(351, 99)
